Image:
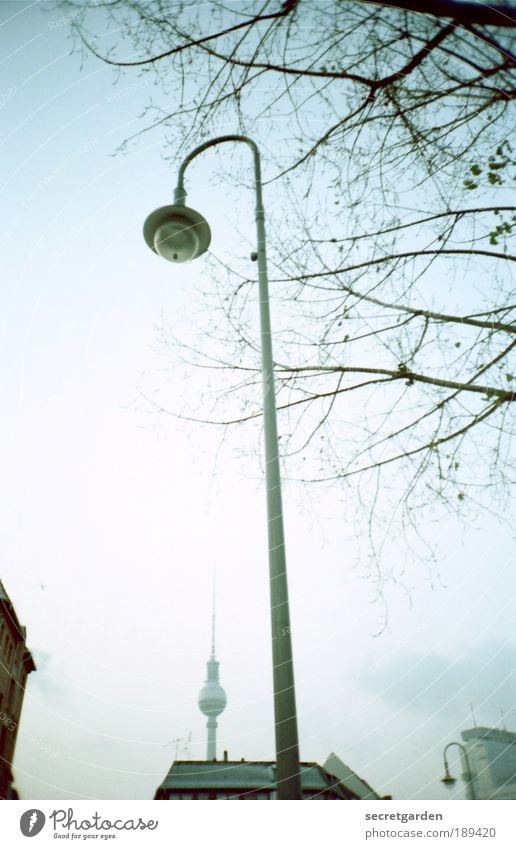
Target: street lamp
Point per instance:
(449, 780)
(180, 234)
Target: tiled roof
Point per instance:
(236, 774)
(239, 775)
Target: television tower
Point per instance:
(212, 698)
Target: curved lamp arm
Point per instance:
(470, 776)
(179, 192)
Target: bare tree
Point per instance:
(386, 136)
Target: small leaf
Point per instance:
(460, 496)
(458, 344)
(509, 377)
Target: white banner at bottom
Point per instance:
(156, 825)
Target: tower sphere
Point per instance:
(212, 699)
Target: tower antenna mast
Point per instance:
(212, 698)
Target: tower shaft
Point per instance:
(211, 754)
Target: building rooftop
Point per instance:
(246, 776)
(350, 779)
(10, 612)
(494, 734)
(18, 631)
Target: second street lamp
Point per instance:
(449, 780)
(180, 234)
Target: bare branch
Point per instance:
(461, 12)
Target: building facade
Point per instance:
(491, 757)
(16, 664)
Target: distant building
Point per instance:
(212, 698)
(15, 665)
(213, 779)
(245, 780)
(491, 754)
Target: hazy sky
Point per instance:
(113, 517)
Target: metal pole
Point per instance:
(470, 776)
(288, 776)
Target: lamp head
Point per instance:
(177, 233)
(448, 779)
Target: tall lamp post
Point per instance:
(468, 777)
(180, 234)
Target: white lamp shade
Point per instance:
(177, 233)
